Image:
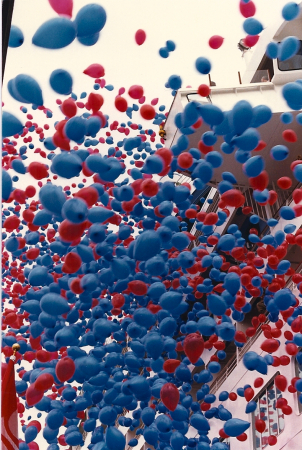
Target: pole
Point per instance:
(7, 13)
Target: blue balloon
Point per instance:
(287, 213)
(146, 245)
(248, 140)
(171, 45)
(279, 152)
(89, 40)
(55, 33)
(254, 166)
(7, 184)
(290, 11)
(52, 198)
(115, 440)
(28, 89)
(90, 20)
(16, 37)
(298, 172)
(250, 407)
(241, 115)
(54, 419)
(66, 165)
(61, 81)
(226, 331)
(163, 52)
(75, 210)
(235, 427)
(93, 126)
(53, 304)
(30, 434)
(288, 48)
(38, 276)
(203, 65)
(199, 422)
(75, 128)
(261, 115)
(292, 93)
(272, 50)
(252, 26)
(18, 166)
(11, 125)
(174, 82)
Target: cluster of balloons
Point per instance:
(103, 291)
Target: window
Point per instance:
(267, 411)
(298, 370)
(293, 63)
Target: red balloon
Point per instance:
(95, 71)
(69, 231)
(149, 187)
(140, 37)
(242, 437)
(249, 394)
(44, 382)
(291, 349)
(121, 104)
(33, 396)
(89, 194)
(193, 346)
(232, 396)
(95, 101)
(169, 395)
(289, 136)
(284, 182)
(297, 195)
(62, 7)
(38, 170)
(260, 182)
(281, 382)
(260, 425)
(233, 197)
(147, 112)
(72, 263)
(287, 410)
(215, 42)
(258, 382)
(65, 369)
(272, 440)
(170, 365)
(118, 300)
(138, 287)
(185, 160)
(136, 92)
(69, 107)
(204, 90)
(284, 360)
(247, 9)
(250, 41)
(270, 345)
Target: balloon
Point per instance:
(252, 26)
(90, 19)
(65, 369)
(63, 8)
(147, 112)
(16, 37)
(75, 128)
(140, 37)
(247, 9)
(33, 396)
(288, 48)
(281, 382)
(11, 125)
(260, 425)
(53, 304)
(235, 427)
(89, 40)
(44, 382)
(203, 65)
(174, 82)
(290, 11)
(115, 440)
(61, 81)
(55, 33)
(169, 395)
(215, 42)
(95, 71)
(193, 346)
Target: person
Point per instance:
(264, 80)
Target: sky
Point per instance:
(189, 24)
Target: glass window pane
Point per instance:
(280, 413)
(257, 442)
(272, 411)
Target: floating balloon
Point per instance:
(16, 37)
(55, 33)
(215, 42)
(140, 37)
(61, 81)
(11, 125)
(169, 395)
(95, 71)
(90, 19)
(203, 65)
